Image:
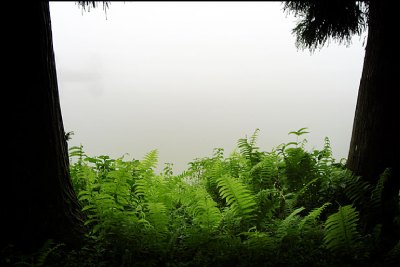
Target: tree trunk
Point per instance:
(374, 145)
(38, 195)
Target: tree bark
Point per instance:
(38, 194)
(374, 145)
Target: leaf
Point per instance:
(341, 233)
(206, 213)
(289, 224)
(313, 216)
(300, 131)
(254, 137)
(376, 194)
(237, 196)
(158, 216)
(87, 207)
(92, 160)
(150, 161)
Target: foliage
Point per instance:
(321, 20)
(288, 205)
(237, 196)
(341, 230)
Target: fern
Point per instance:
(248, 149)
(77, 151)
(216, 171)
(324, 159)
(341, 233)
(299, 168)
(300, 131)
(313, 216)
(253, 138)
(150, 161)
(206, 214)
(140, 190)
(250, 206)
(213, 172)
(376, 194)
(358, 191)
(118, 183)
(46, 250)
(289, 226)
(236, 164)
(245, 148)
(265, 173)
(259, 241)
(158, 216)
(218, 153)
(268, 201)
(237, 196)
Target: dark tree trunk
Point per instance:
(38, 195)
(374, 144)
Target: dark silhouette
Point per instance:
(374, 145)
(37, 195)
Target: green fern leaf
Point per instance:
(376, 194)
(150, 161)
(245, 148)
(265, 172)
(288, 226)
(313, 216)
(76, 151)
(47, 249)
(140, 188)
(253, 138)
(357, 191)
(206, 214)
(341, 233)
(158, 216)
(216, 171)
(237, 196)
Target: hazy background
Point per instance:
(186, 77)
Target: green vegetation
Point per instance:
(287, 207)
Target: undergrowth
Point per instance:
(285, 207)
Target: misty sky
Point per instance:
(186, 77)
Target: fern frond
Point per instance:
(253, 138)
(47, 249)
(288, 226)
(259, 241)
(312, 216)
(237, 196)
(248, 149)
(76, 151)
(266, 171)
(236, 164)
(218, 153)
(357, 190)
(149, 161)
(157, 216)
(341, 233)
(140, 188)
(245, 148)
(216, 172)
(184, 175)
(206, 214)
(376, 194)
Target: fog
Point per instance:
(187, 77)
